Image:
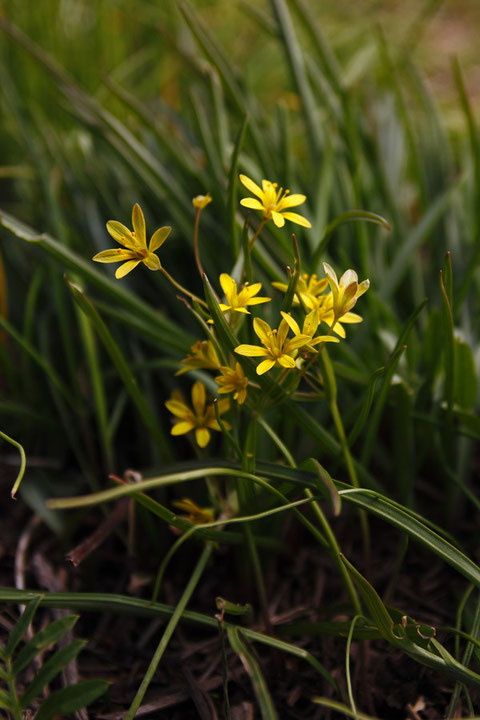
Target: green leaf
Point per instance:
(70, 699)
(232, 188)
(250, 663)
(465, 380)
(378, 611)
(21, 626)
(43, 639)
(6, 703)
(51, 669)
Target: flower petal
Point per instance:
(286, 361)
(251, 186)
(296, 218)
(178, 408)
(251, 203)
(351, 317)
(262, 330)
(159, 237)
(290, 201)
(331, 275)
(251, 350)
(229, 287)
(126, 268)
(199, 397)
(265, 366)
(291, 322)
(258, 301)
(278, 219)
(138, 222)
(202, 436)
(181, 428)
(114, 255)
(152, 261)
(121, 234)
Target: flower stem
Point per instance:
(196, 249)
(257, 233)
(181, 289)
(165, 639)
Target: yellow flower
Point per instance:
(277, 350)
(201, 201)
(308, 288)
(233, 381)
(202, 418)
(196, 514)
(310, 325)
(203, 357)
(238, 300)
(273, 203)
(135, 243)
(346, 292)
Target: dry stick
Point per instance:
(104, 530)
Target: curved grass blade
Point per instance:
(23, 462)
(346, 217)
(124, 604)
(251, 665)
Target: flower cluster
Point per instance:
(291, 347)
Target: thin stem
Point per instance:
(196, 249)
(335, 552)
(181, 289)
(337, 419)
(257, 233)
(165, 639)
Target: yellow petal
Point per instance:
(152, 261)
(286, 361)
(265, 366)
(296, 218)
(178, 408)
(278, 219)
(181, 428)
(114, 255)
(229, 286)
(291, 201)
(291, 322)
(351, 317)
(262, 329)
(251, 186)
(121, 234)
(251, 350)
(126, 268)
(202, 436)
(258, 301)
(252, 204)
(138, 222)
(158, 238)
(331, 275)
(199, 397)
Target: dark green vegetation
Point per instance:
(87, 361)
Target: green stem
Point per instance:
(257, 233)
(335, 552)
(337, 419)
(16, 712)
(181, 289)
(195, 242)
(165, 639)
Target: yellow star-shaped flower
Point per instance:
(135, 244)
(233, 380)
(273, 202)
(238, 301)
(278, 348)
(201, 417)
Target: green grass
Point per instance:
(386, 431)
